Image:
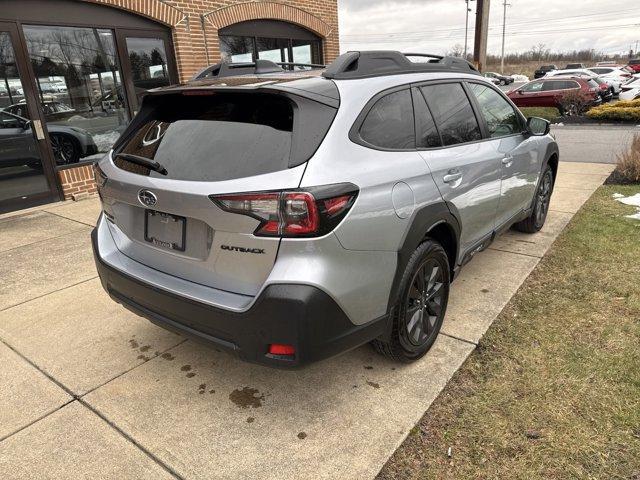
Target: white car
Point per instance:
(631, 89)
(616, 74)
(585, 72)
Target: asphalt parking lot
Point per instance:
(90, 390)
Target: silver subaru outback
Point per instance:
(288, 216)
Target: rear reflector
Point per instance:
(281, 349)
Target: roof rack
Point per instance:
(352, 65)
(259, 67)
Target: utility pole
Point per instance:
(466, 28)
(504, 33)
(482, 33)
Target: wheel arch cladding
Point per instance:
(552, 158)
(434, 221)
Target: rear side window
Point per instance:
(220, 136)
(389, 123)
(501, 118)
(427, 135)
(452, 113)
(560, 85)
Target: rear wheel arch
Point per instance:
(552, 161)
(436, 221)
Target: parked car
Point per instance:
(549, 92)
(53, 110)
(571, 66)
(543, 70)
(630, 94)
(634, 65)
(618, 75)
(499, 79)
(631, 89)
(69, 144)
(256, 236)
(584, 72)
(606, 90)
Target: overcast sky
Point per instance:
(434, 26)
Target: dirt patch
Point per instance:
(247, 398)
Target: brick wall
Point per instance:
(194, 23)
(77, 182)
(194, 26)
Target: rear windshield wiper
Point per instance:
(143, 161)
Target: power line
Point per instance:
(428, 37)
(516, 23)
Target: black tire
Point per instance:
(534, 222)
(502, 82)
(421, 306)
(65, 149)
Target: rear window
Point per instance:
(634, 62)
(222, 136)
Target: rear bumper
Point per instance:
(293, 314)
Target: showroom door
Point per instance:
(25, 179)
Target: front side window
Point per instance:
(532, 87)
(389, 123)
(452, 112)
(501, 118)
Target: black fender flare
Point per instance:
(552, 150)
(423, 221)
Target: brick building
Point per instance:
(72, 72)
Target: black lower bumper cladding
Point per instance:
(298, 315)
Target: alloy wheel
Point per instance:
(423, 304)
(63, 149)
(543, 198)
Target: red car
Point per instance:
(635, 65)
(548, 92)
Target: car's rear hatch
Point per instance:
(211, 142)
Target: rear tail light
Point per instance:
(296, 213)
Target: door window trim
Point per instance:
(476, 105)
(354, 131)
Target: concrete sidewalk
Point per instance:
(90, 390)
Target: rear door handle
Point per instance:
(452, 177)
(507, 161)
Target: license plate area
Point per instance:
(165, 230)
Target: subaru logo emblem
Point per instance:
(147, 198)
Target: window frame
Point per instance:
(484, 131)
(354, 131)
(476, 104)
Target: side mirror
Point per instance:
(26, 125)
(538, 127)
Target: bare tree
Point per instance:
(456, 51)
(540, 51)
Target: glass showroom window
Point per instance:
(237, 48)
(80, 89)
